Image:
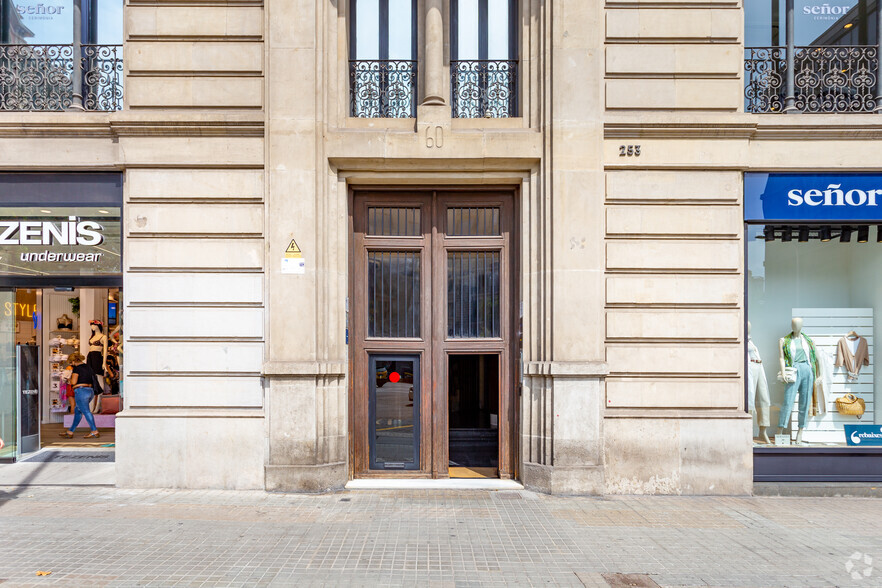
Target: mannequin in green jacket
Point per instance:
(788, 347)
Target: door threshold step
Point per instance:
(431, 484)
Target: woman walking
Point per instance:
(81, 380)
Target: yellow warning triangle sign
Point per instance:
(293, 250)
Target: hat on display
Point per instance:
(96, 322)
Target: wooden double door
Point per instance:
(432, 328)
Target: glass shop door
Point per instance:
(9, 390)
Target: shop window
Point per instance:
(827, 63)
(824, 284)
(60, 294)
(814, 304)
(383, 58)
(61, 54)
(484, 58)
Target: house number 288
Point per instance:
(629, 150)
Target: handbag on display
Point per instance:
(789, 375)
(110, 404)
(851, 405)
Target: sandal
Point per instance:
(94, 435)
(66, 435)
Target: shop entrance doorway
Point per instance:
(40, 330)
(60, 270)
(432, 325)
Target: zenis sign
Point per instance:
(85, 243)
(72, 232)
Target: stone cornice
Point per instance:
(449, 165)
(856, 127)
(127, 124)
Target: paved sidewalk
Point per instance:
(100, 536)
(62, 467)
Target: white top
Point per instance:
(752, 351)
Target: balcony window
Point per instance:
(382, 58)
(483, 58)
(827, 63)
(61, 54)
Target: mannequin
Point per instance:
(797, 351)
(64, 323)
(757, 389)
(97, 358)
(116, 335)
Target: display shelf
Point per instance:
(66, 348)
(826, 326)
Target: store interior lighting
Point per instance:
(825, 234)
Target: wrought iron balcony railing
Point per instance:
(43, 77)
(835, 78)
(484, 88)
(382, 89)
(102, 77)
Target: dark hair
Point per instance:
(100, 328)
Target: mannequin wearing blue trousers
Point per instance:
(804, 384)
(798, 352)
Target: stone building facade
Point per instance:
(625, 157)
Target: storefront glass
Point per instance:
(814, 303)
(50, 22)
(8, 400)
(835, 287)
(60, 294)
(815, 23)
(60, 241)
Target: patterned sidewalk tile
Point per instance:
(103, 536)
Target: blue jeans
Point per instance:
(83, 396)
(804, 384)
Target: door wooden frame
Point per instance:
(433, 346)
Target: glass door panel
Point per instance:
(473, 291)
(8, 383)
(394, 294)
(394, 407)
(28, 389)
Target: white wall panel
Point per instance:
(682, 289)
(194, 218)
(195, 322)
(188, 288)
(200, 357)
(169, 252)
(180, 391)
(703, 359)
(193, 183)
